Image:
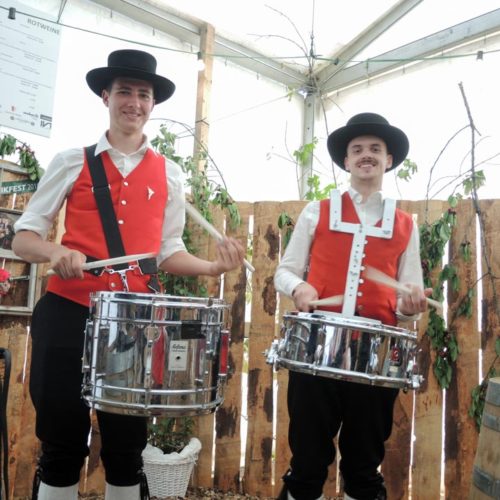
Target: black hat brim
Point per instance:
(395, 139)
(98, 79)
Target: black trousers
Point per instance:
(319, 408)
(62, 416)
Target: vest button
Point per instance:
(120, 221)
(360, 308)
(113, 285)
(360, 294)
(124, 202)
(125, 183)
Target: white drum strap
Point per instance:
(359, 232)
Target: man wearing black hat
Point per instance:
(321, 261)
(145, 214)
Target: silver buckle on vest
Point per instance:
(122, 273)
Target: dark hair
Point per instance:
(109, 86)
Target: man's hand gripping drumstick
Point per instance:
(199, 219)
(107, 262)
(305, 297)
(414, 300)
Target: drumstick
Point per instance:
(334, 300)
(211, 229)
(375, 275)
(111, 262)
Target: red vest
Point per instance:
(139, 201)
(329, 261)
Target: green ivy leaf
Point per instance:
(303, 154)
(465, 251)
(453, 201)
(406, 171)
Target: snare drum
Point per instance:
(354, 349)
(148, 354)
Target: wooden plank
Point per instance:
(228, 416)
(13, 338)
(460, 433)
(426, 467)
(490, 328)
(258, 457)
(204, 424)
(283, 454)
(396, 465)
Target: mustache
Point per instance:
(367, 159)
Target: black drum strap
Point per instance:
(102, 194)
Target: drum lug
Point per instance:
(272, 354)
(416, 381)
(318, 354)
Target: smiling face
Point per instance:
(130, 103)
(367, 160)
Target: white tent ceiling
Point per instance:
(418, 50)
(330, 43)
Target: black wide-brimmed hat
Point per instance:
(131, 64)
(368, 124)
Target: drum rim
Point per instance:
(353, 323)
(157, 299)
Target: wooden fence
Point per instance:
(426, 422)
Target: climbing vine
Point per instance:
(204, 195)
(315, 191)
(434, 238)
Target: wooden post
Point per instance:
(426, 467)
(283, 454)
(202, 122)
(202, 475)
(228, 416)
(490, 328)
(460, 434)
(258, 458)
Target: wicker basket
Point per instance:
(169, 475)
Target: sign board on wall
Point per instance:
(29, 48)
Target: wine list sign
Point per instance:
(29, 49)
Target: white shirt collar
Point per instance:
(376, 198)
(104, 145)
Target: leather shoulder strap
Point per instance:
(102, 194)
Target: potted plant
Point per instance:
(170, 455)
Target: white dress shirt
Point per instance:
(292, 269)
(62, 172)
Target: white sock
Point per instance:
(122, 492)
(46, 492)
